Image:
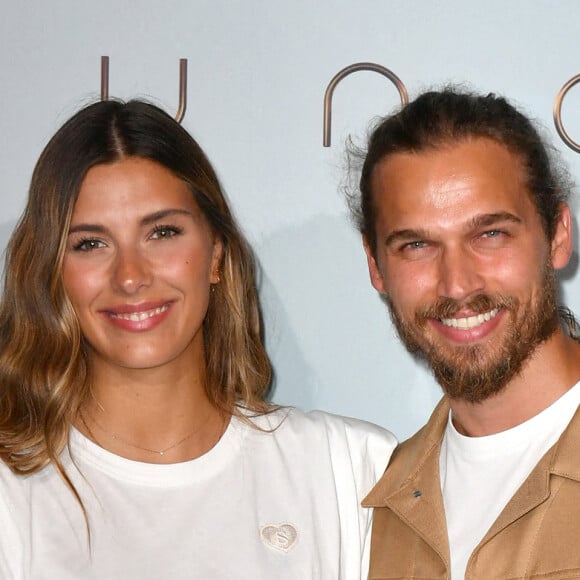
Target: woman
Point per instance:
(134, 436)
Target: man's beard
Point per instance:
(476, 372)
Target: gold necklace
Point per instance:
(117, 437)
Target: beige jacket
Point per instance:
(537, 535)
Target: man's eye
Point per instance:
(414, 245)
(492, 234)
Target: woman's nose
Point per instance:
(131, 271)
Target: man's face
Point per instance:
(463, 262)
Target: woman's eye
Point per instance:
(87, 245)
(163, 232)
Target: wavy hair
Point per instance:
(44, 366)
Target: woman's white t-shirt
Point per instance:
(272, 505)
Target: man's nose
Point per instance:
(459, 276)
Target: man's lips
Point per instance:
(469, 322)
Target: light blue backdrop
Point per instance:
(257, 74)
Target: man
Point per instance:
(465, 222)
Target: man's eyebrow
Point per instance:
(405, 236)
(146, 220)
(490, 219)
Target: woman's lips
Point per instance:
(138, 317)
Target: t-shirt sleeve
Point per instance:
(360, 453)
(371, 449)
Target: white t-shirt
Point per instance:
(273, 506)
(479, 475)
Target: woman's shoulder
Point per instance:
(361, 440)
(11, 482)
(345, 455)
(292, 418)
(15, 492)
(14, 512)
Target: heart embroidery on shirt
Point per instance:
(283, 536)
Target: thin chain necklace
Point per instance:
(117, 437)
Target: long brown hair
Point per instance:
(44, 370)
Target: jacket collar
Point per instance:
(566, 459)
(561, 460)
(411, 487)
(410, 458)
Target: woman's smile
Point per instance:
(138, 317)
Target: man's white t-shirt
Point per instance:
(264, 505)
(479, 475)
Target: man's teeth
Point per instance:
(139, 316)
(470, 321)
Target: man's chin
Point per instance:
(472, 374)
(479, 372)
(471, 385)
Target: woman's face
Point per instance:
(139, 261)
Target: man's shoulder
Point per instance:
(409, 457)
(425, 438)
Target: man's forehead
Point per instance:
(457, 182)
(452, 160)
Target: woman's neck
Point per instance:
(160, 415)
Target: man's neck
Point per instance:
(552, 369)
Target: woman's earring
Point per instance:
(218, 280)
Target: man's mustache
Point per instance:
(449, 307)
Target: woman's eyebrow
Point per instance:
(93, 228)
(161, 214)
(146, 220)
